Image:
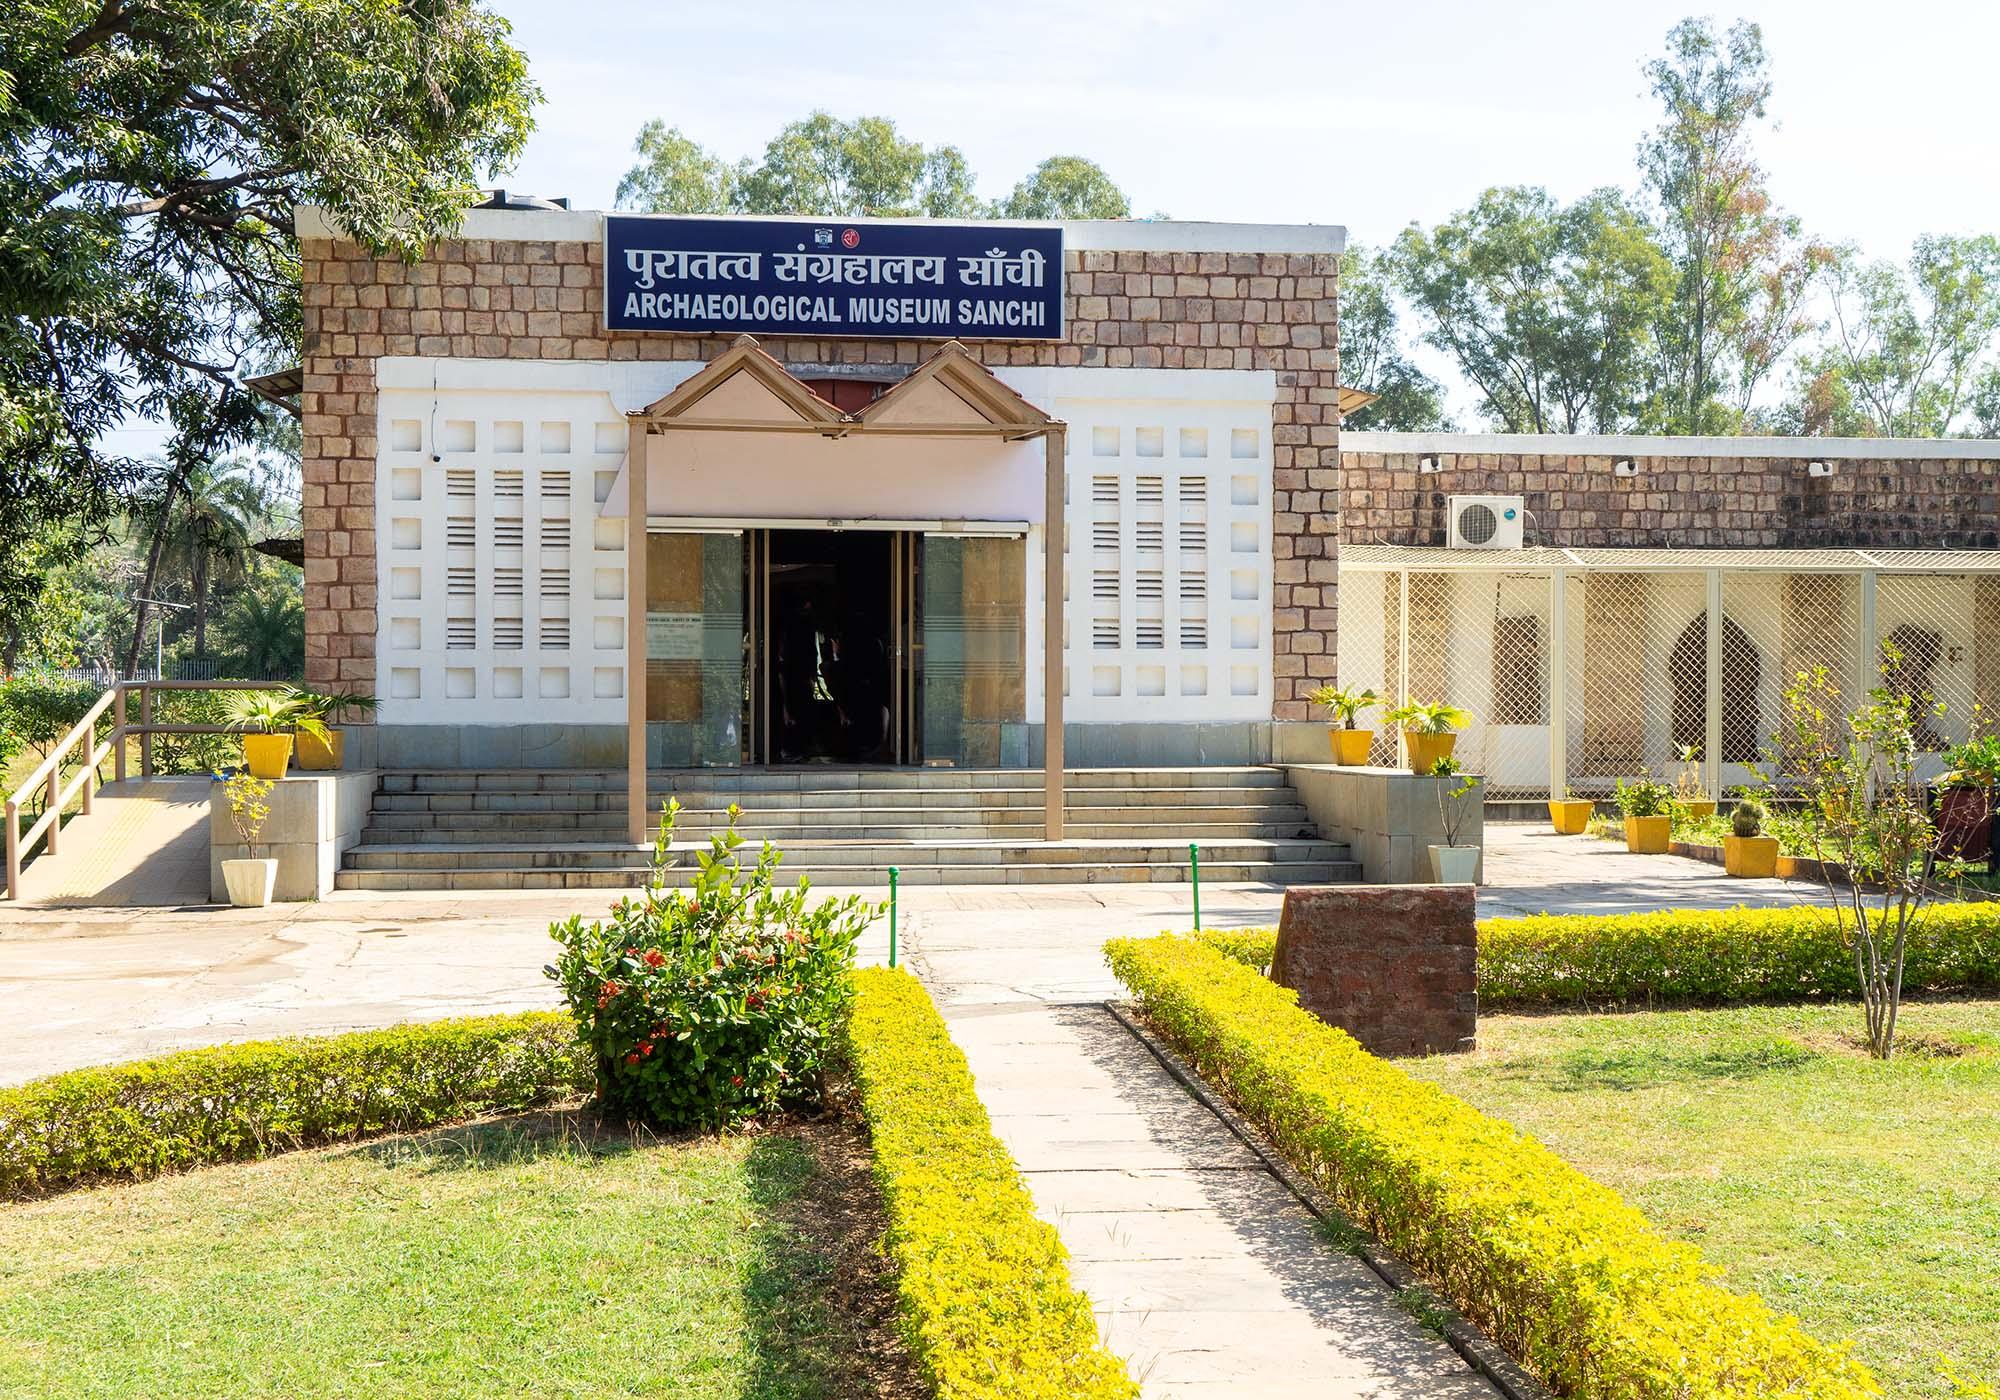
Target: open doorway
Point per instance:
(831, 654)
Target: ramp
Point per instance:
(146, 844)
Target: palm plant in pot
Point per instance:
(1647, 807)
(330, 708)
(1453, 863)
(250, 880)
(1430, 730)
(269, 721)
(1350, 742)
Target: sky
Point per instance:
(1884, 122)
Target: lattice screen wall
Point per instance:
(1633, 686)
(1168, 560)
(499, 590)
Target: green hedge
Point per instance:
(231, 1102)
(1695, 956)
(1556, 1268)
(987, 1302)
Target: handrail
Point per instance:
(47, 774)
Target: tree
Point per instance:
(1910, 351)
(1372, 354)
(1549, 312)
(151, 154)
(1066, 187)
(841, 169)
(265, 629)
(208, 534)
(1739, 267)
(675, 175)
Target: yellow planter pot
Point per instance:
(1700, 809)
(322, 755)
(1648, 836)
(1570, 816)
(1426, 749)
(1750, 857)
(267, 755)
(1351, 746)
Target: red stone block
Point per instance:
(1395, 966)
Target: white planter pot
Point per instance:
(250, 882)
(1454, 865)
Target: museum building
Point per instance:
(827, 455)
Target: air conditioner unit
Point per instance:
(1486, 522)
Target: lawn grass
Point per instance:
(538, 1255)
(1864, 1197)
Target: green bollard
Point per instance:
(893, 873)
(1194, 870)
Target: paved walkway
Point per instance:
(144, 843)
(1531, 870)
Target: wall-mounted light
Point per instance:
(1625, 467)
(1819, 469)
(1427, 465)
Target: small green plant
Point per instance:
(1643, 797)
(332, 706)
(1746, 819)
(1428, 717)
(267, 712)
(708, 1006)
(1687, 782)
(1344, 705)
(1454, 800)
(1975, 763)
(248, 810)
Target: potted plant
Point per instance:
(1451, 862)
(1747, 852)
(268, 722)
(1570, 814)
(330, 709)
(1429, 730)
(1965, 799)
(249, 881)
(1647, 807)
(1350, 744)
(1693, 804)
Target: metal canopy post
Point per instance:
(635, 630)
(1054, 530)
(1558, 683)
(1711, 757)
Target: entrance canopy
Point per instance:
(746, 440)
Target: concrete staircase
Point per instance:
(565, 829)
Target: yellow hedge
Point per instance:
(1695, 956)
(1556, 1268)
(987, 1302)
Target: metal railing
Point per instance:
(78, 744)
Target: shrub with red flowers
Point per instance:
(709, 1005)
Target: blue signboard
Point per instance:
(824, 277)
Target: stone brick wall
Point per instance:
(1395, 966)
(1716, 502)
(509, 299)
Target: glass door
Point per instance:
(969, 665)
(695, 649)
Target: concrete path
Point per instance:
(1205, 1273)
(1531, 870)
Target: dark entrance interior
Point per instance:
(831, 658)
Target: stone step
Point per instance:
(863, 876)
(381, 833)
(725, 780)
(908, 855)
(997, 821)
(988, 800)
